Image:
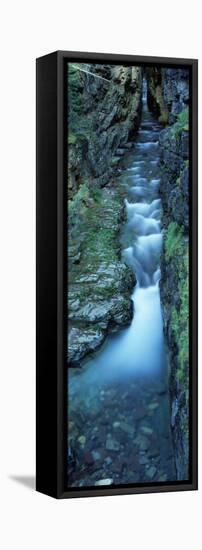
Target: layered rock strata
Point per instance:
(104, 111)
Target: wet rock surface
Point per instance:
(174, 190)
(99, 282)
(174, 142)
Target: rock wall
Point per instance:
(155, 94)
(103, 115)
(104, 112)
(174, 141)
(168, 92)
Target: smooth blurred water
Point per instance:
(124, 377)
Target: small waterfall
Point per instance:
(144, 94)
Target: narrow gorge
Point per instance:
(128, 226)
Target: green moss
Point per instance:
(115, 161)
(185, 165)
(180, 317)
(72, 139)
(101, 242)
(176, 250)
(182, 123)
(173, 240)
(78, 136)
(96, 194)
(77, 119)
(100, 291)
(183, 117)
(74, 205)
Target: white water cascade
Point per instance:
(139, 349)
(118, 403)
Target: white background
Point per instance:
(30, 29)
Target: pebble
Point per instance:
(108, 460)
(107, 481)
(142, 442)
(116, 425)
(162, 478)
(124, 395)
(128, 428)
(88, 458)
(82, 440)
(151, 471)
(118, 466)
(140, 413)
(71, 425)
(112, 444)
(153, 452)
(143, 460)
(153, 406)
(146, 430)
(96, 455)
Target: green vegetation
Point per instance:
(182, 123)
(180, 325)
(173, 241)
(72, 139)
(75, 99)
(74, 205)
(115, 161)
(102, 291)
(179, 179)
(176, 248)
(101, 242)
(96, 194)
(95, 224)
(77, 205)
(77, 120)
(90, 208)
(78, 136)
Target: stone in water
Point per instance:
(107, 481)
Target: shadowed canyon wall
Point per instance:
(168, 96)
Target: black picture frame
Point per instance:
(51, 276)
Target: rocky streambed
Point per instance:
(118, 433)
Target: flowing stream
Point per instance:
(119, 422)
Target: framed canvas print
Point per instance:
(116, 274)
